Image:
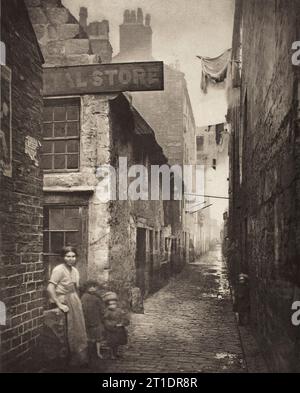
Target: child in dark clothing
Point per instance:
(243, 299)
(115, 322)
(93, 310)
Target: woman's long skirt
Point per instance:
(77, 336)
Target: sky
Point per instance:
(182, 29)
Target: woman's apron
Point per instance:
(77, 337)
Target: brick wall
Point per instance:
(22, 271)
(264, 176)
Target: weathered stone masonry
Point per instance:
(109, 131)
(264, 210)
(21, 241)
(62, 39)
(107, 250)
(168, 112)
(134, 139)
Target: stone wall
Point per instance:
(62, 40)
(107, 132)
(168, 112)
(21, 230)
(265, 174)
(175, 132)
(95, 141)
(127, 216)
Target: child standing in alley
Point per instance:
(93, 309)
(115, 322)
(243, 299)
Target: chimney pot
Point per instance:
(140, 16)
(135, 37)
(148, 20)
(126, 16)
(133, 17)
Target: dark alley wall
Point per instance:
(264, 153)
(21, 236)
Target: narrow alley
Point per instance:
(188, 326)
(149, 167)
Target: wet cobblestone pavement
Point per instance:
(188, 326)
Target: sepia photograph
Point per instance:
(149, 189)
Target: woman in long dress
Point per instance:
(62, 289)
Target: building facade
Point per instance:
(121, 242)
(21, 188)
(212, 154)
(114, 238)
(263, 221)
(170, 115)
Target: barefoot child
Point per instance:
(93, 309)
(115, 321)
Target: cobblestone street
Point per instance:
(188, 326)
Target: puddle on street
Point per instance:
(212, 275)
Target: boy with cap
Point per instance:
(115, 322)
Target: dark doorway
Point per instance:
(173, 256)
(140, 259)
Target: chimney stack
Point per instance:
(83, 16)
(126, 17)
(135, 36)
(98, 33)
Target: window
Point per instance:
(2, 53)
(214, 164)
(61, 135)
(62, 227)
(2, 314)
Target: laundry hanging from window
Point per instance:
(214, 69)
